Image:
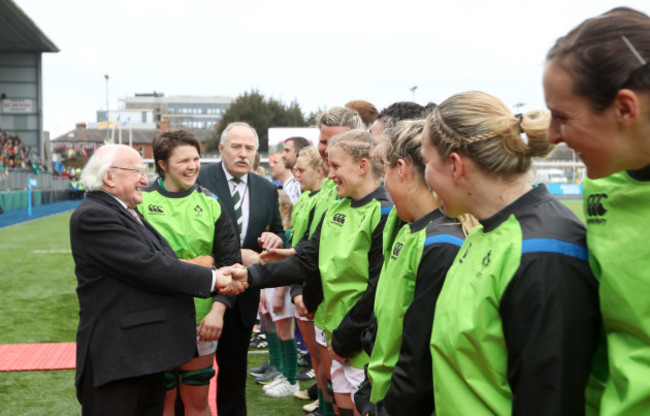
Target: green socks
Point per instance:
(325, 407)
(289, 359)
(275, 353)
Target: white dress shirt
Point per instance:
(292, 188)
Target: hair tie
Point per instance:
(521, 118)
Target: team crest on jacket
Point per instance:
(338, 219)
(595, 208)
(155, 209)
(396, 250)
(485, 262)
(198, 210)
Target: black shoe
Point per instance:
(306, 374)
(259, 342)
(313, 392)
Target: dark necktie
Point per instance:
(237, 202)
(135, 215)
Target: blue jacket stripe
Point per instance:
(551, 245)
(443, 238)
(386, 210)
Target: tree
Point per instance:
(260, 113)
(312, 117)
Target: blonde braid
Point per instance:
(451, 138)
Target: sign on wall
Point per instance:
(17, 106)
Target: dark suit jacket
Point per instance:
(136, 312)
(264, 215)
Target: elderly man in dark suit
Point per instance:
(136, 315)
(252, 203)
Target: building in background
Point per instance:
(76, 146)
(21, 85)
(137, 121)
(146, 111)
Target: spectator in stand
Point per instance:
(15, 154)
(3, 167)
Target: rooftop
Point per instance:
(18, 33)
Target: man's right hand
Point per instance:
(239, 274)
(229, 284)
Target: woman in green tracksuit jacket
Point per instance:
(195, 225)
(517, 323)
(422, 243)
(345, 252)
(597, 86)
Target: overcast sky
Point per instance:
(320, 53)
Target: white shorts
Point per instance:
(321, 339)
(205, 347)
(302, 318)
(345, 378)
(288, 309)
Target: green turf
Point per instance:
(37, 282)
(38, 393)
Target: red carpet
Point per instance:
(54, 356)
(37, 357)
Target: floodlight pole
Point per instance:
(413, 88)
(108, 130)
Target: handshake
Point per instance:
(231, 280)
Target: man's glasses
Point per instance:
(141, 170)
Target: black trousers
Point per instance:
(136, 396)
(232, 359)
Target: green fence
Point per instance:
(18, 199)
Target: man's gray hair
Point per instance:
(92, 176)
(224, 134)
